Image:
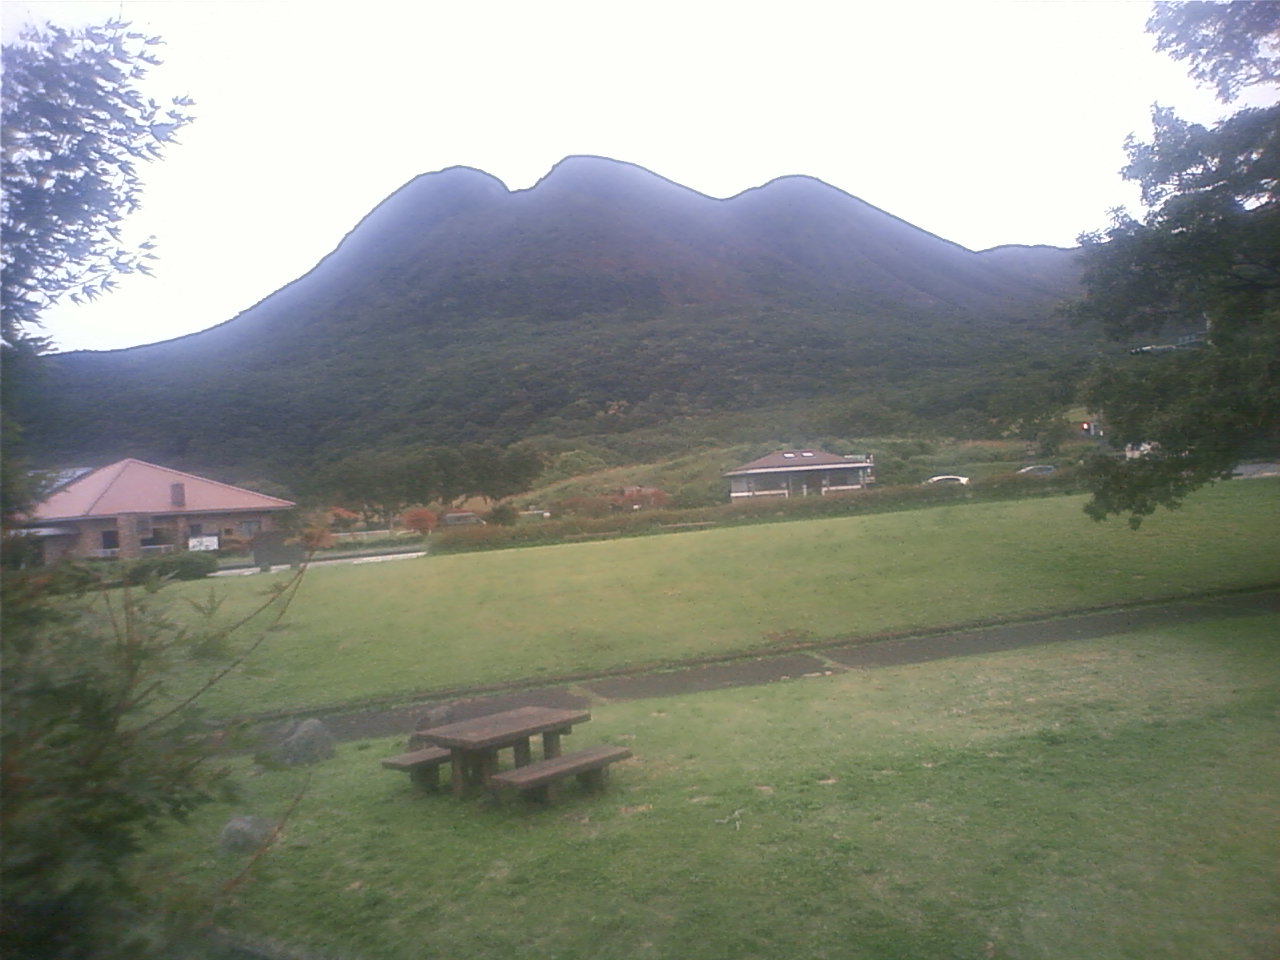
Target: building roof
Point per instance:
(135, 486)
(789, 461)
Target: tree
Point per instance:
(1230, 45)
(75, 127)
(419, 520)
(496, 473)
(1200, 269)
(98, 747)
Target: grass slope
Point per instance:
(1091, 799)
(447, 622)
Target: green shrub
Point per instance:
(192, 565)
(504, 515)
(70, 576)
(1007, 486)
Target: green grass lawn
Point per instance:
(1081, 801)
(454, 621)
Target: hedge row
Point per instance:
(192, 565)
(753, 510)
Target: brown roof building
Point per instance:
(801, 473)
(132, 508)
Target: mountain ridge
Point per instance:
(397, 201)
(458, 309)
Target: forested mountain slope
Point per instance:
(601, 300)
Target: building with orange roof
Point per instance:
(133, 508)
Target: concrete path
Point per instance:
(816, 662)
(249, 571)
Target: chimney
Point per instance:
(177, 494)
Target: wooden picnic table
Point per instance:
(474, 744)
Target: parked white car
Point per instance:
(948, 478)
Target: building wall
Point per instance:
(800, 483)
(132, 530)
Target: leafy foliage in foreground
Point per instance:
(99, 751)
(75, 127)
(1203, 263)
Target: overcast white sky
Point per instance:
(983, 122)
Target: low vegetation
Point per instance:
(445, 622)
(1100, 798)
(696, 479)
(606, 519)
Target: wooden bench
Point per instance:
(534, 780)
(422, 765)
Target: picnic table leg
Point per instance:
(487, 765)
(551, 744)
(523, 753)
(428, 778)
(458, 768)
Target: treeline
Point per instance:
(381, 484)
(498, 381)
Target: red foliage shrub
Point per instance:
(419, 520)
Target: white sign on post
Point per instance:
(202, 543)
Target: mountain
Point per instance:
(603, 299)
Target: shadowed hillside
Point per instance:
(603, 300)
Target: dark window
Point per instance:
(110, 539)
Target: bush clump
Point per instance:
(504, 515)
(194, 565)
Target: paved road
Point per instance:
(815, 662)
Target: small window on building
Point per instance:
(807, 453)
(250, 528)
(789, 456)
(110, 539)
(195, 530)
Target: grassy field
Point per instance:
(697, 479)
(452, 621)
(1083, 801)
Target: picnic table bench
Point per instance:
(471, 748)
(535, 780)
(423, 766)
(473, 745)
